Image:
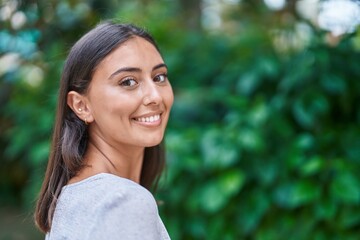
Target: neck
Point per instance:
(124, 162)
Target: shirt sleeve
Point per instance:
(126, 217)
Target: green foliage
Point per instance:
(263, 141)
(32, 59)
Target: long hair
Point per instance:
(70, 136)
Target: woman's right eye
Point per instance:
(128, 82)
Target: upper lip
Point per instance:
(149, 114)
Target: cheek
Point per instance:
(169, 97)
(122, 106)
(113, 103)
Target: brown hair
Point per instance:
(70, 136)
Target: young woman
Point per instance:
(114, 104)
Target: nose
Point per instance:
(152, 94)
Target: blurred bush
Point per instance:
(263, 141)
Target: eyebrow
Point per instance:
(134, 69)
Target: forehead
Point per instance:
(135, 52)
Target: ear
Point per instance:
(78, 103)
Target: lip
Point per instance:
(152, 119)
(148, 114)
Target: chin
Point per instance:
(154, 142)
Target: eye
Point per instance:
(161, 78)
(128, 82)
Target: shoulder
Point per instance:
(103, 191)
(105, 184)
(127, 210)
(104, 204)
(113, 191)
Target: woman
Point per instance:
(114, 104)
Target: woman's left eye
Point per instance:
(160, 78)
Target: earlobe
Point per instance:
(77, 103)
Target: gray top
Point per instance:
(106, 206)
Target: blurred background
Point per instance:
(264, 138)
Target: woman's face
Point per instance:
(130, 97)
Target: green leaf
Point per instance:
(250, 215)
(216, 193)
(231, 182)
(346, 188)
(326, 209)
(211, 199)
(312, 166)
(296, 194)
(333, 84)
(250, 139)
(248, 82)
(39, 153)
(217, 150)
(258, 114)
(305, 141)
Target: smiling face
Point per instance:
(129, 97)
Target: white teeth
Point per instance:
(149, 119)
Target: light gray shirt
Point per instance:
(104, 207)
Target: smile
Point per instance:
(149, 119)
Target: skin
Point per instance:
(127, 107)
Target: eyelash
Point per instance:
(124, 82)
(127, 80)
(164, 75)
